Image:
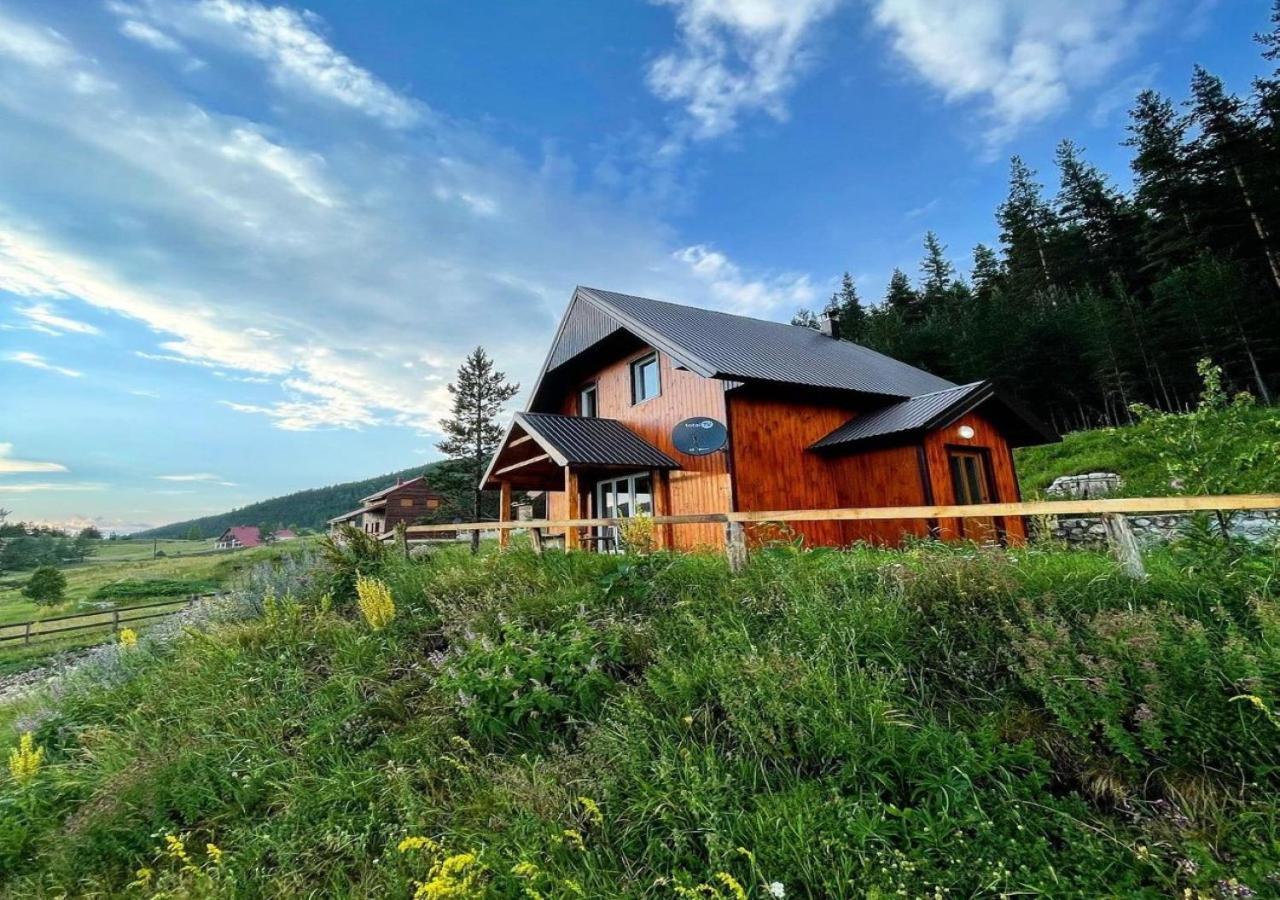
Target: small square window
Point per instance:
(406, 501)
(645, 381)
(587, 402)
(433, 503)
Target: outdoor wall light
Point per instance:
(966, 432)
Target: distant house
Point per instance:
(379, 513)
(248, 536)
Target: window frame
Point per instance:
(592, 388)
(636, 366)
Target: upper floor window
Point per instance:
(645, 382)
(587, 402)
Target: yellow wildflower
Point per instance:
(128, 638)
(143, 878)
(457, 876)
(734, 886)
(573, 839)
(592, 810)
(374, 600)
(174, 846)
(25, 759)
(215, 853)
(526, 870)
(419, 843)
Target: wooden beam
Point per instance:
(735, 546)
(520, 440)
(1134, 505)
(520, 465)
(504, 513)
(659, 484)
(573, 496)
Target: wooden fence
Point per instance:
(38, 630)
(1112, 511)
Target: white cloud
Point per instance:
(289, 44)
(151, 36)
(1021, 60)
(11, 466)
(735, 57)
(32, 44)
(739, 294)
(198, 476)
(36, 361)
(33, 487)
(53, 323)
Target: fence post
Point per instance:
(115, 620)
(1124, 545)
(735, 546)
(535, 536)
(26, 634)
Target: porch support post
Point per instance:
(661, 506)
(504, 513)
(573, 507)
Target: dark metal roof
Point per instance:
(586, 441)
(378, 495)
(720, 345)
(936, 410)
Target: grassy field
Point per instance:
(937, 722)
(115, 551)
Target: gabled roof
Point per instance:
(387, 490)
(936, 409)
(587, 441)
(732, 348)
(246, 535)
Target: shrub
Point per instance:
(46, 586)
(530, 682)
(134, 588)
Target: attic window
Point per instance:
(587, 402)
(645, 382)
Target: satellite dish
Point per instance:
(699, 436)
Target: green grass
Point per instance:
(1144, 473)
(115, 551)
(846, 724)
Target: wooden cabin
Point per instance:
(809, 421)
(409, 502)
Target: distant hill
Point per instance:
(314, 507)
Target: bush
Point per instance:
(46, 586)
(138, 588)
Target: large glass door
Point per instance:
(621, 497)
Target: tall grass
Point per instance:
(944, 721)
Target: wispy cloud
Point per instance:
(735, 57)
(198, 476)
(43, 314)
(36, 361)
(11, 466)
(1022, 61)
(740, 294)
(33, 487)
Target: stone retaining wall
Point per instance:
(1086, 531)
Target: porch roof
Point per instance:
(538, 445)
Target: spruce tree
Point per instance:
(846, 304)
(472, 431)
(901, 297)
(1164, 183)
(936, 272)
(804, 318)
(1025, 224)
(987, 274)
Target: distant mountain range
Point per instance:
(311, 509)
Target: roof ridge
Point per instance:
(958, 387)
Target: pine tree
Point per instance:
(1228, 148)
(987, 275)
(1025, 224)
(1087, 202)
(472, 431)
(846, 304)
(805, 318)
(1164, 183)
(901, 297)
(936, 272)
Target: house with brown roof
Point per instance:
(248, 536)
(650, 407)
(403, 502)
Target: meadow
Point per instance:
(939, 721)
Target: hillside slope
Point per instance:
(312, 508)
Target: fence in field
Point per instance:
(38, 630)
(1112, 511)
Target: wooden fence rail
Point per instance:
(1111, 510)
(35, 630)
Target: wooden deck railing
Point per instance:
(1111, 510)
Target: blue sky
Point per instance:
(244, 246)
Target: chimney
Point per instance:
(399, 481)
(829, 324)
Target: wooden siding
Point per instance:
(773, 470)
(1005, 481)
(423, 503)
(702, 484)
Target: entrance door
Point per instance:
(622, 497)
(972, 483)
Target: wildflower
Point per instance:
(573, 838)
(419, 843)
(776, 889)
(688, 720)
(25, 759)
(142, 878)
(174, 846)
(1143, 853)
(734, 887)
(592, 810)
(374, 600)
(215, 853)
(128, 638)
(526, 870)
(456, 876)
